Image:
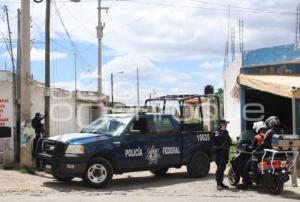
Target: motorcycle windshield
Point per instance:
(247, 136)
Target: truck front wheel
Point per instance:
(199, 165)
(98, 173)
(160, 172)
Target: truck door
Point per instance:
(133, 146)
(166, 138)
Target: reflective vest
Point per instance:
(259, 138)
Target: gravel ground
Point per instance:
(133, 187)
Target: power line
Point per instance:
(297, 40)
(75, 49)
(219, 6)
(64, 26)
(244, 8)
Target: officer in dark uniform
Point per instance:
(221, 146)
(39, 129)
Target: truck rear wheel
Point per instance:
(160, 172)
(98, 173)
(63, 179)
(199, 165)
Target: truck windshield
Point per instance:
(108, 126)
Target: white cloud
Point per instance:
(138, 34)
(162, 32)
(211, 64)
(39, 54)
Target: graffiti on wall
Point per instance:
(5, 129)
(27, 133)
(281, 70)
(278, 69)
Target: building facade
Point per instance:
(262, 83)
(69, 112)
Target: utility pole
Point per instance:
(112, 88)
(232, 44)
(47, 69)
(241, 35)
(138, 87)
(100, 29)
(297, 40)
(25, 73)
(9, 37)
(18, 88)
(75, 75)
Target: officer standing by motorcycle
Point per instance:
(221, 146)
(39, 129)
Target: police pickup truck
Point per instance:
(119, 143)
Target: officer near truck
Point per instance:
(221, 146)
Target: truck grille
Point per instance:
(48, 147)
(53, 148)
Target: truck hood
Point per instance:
(79, 138)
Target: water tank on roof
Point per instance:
(209, 89)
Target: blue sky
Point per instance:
(177, 45)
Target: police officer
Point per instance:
(221, 146)
(39, 129)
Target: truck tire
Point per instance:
(63, 179)
(99, 173)
(199, 165)
(160, 172)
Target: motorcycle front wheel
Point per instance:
(233, 177)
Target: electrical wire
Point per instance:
(81, 59)
(185, 6)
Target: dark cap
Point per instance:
(222, 121)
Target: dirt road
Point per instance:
(130, 187)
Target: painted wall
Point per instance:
(232, 104)
(6, 116)
(271, 55)
(62, 110)
(298, 117)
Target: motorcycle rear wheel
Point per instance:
(277, 188)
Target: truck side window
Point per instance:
(140, 125)
(164, 126)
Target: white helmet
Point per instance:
(257, 126)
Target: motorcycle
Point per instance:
(272, 171)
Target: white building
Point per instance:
(262, 83)
(69, 111)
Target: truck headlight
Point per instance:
(75, 149)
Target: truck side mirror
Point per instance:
(132, 133)
(135, 132)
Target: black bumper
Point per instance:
(61, 167)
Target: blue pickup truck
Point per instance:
(119, 143)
